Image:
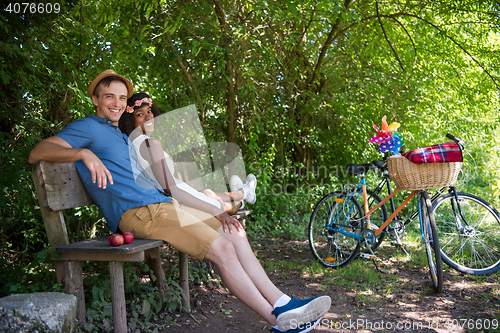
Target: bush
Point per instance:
(284, 204)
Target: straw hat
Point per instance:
(105, 74)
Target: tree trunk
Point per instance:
(230, 93)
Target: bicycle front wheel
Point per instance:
(470, 243)
(334, 229)
(431, 241)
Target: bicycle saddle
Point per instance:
(354, 168)
(382, 165)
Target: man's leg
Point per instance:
(252, 266)
(201, 240)
(240, 270)
(246, 279)
(223, 253)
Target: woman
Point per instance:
(160, 166)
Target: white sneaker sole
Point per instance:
(310, 312)
(250, 195)
(308, 328)
(235, 184)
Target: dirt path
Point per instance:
(467, 304)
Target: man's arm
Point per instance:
(55, 149)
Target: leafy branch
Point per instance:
(387, 38)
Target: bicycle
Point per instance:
(337, 229)
(467, 225)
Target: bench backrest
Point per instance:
(58, 186)
(61, 186)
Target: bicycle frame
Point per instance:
(394, 213)
(362, 185)
(451, 189)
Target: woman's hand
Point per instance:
(228, 222)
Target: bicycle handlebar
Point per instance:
(457, 140)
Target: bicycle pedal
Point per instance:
(367, 256)
(399, 246)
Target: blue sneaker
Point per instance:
(300, 312)
(300, 329)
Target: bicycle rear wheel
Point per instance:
(332, 220)
(431, 241)
(470, 244)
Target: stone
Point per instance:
(38, 312)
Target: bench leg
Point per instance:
(184, 279)
(60, 271)
(153, 260)
(118, 297)
(73, 282)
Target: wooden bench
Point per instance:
(58, 187)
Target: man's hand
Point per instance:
(97, 169)
(55, 149)
(227, 221)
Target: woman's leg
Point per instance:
(225, 196)
(229, 205)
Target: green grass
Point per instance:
(284, 267)
(361, 279)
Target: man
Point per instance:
(102, 157)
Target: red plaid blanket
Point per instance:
(440, 153)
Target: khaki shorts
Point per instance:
(187, 229)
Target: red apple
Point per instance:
(115, 240)
(128, 237)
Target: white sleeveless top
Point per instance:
(171, 167)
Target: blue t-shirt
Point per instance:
(110, 145)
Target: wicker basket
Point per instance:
(410, 176)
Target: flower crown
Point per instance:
(130, 109)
